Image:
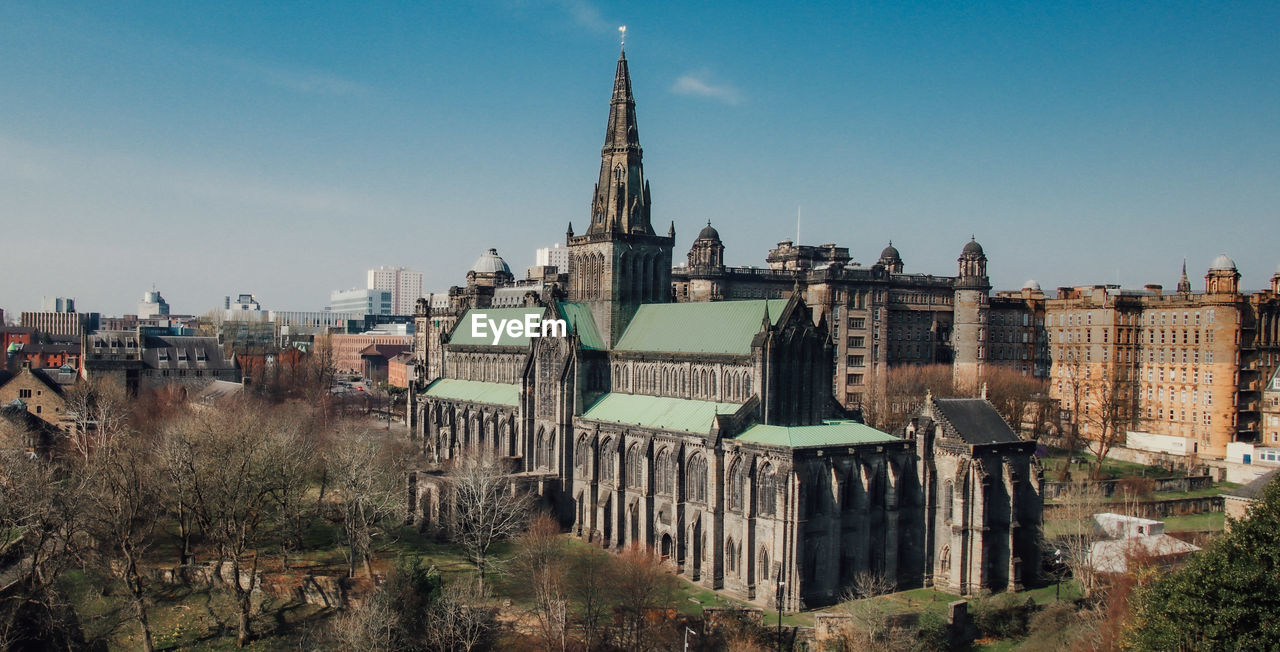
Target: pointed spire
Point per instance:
(1184, 284)
(621, 201)
(671, 233)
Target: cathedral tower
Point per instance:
(969, 332)
(619, 262)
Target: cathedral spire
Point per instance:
(1184, 284)
(621, 200)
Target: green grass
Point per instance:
(1209, 521)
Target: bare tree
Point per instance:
(901, 389)
(100, 410)
(460, 619)
(540, 574)
(645, 589)
(123, 503)
(232, 463)
(1072, 518)
(486, 506)
(1108, 411)
(591, 592)
(1012, 394)
(367, 492)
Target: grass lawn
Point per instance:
(1196, 522)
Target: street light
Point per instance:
(687, 632)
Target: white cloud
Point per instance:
(699, 85)
(585, 14)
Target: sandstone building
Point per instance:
(708, 430)
(1186, 364)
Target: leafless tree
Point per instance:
(869, 584)
(123, 503)
(645, 589)
(460, 619)
(369, 625)
(540, 574)
(486, 506)
(367, 492)
(1107, 413)
(100, 410)
(40, 514)
(232, 462)
(1013, 394)
(899, 390)
(1072, 518)
(591, 592)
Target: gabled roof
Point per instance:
(661, 412)
(832, 432)
(975, 421)
(1273, 385)
(579, 317)
(715, 327)
(387, 351)
(471, 321)
(474, 390)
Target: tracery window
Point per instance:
(664, 481)
(767, 491)
(738, 486)
(635, 467)
(695, 487)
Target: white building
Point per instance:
(405, 286)
(364, 302)
(152, 305)
(556, 256)
(244, 308)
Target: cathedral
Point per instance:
(708, 430)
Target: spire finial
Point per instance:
(622, 38)
(890, 242)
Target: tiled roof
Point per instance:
(579, 317)
(462, 335)
(715, 327)
(833, 432)
(474, 390)
(659, 412)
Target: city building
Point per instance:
(405, 286)
(707, 430)
(1271, 410)
(556, 256)
(147, 358)
(69, 324)
(348, 350)
(1182, 364)
(41, 391)
(152, 305)
(57, 304)
(364, 302)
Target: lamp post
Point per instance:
(781, 585)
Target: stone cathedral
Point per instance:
(708, 430)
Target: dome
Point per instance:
(709, 232)
(1223, 263)
(890, 253)
(490, 263)
(973, 248)
(1031, 285)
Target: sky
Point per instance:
(282, 149)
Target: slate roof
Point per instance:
(714, 327)
(832, 432)
(1253, 488)
(975, 421)
(474, 390)
(169, 351)
(661, 412)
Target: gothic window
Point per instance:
(767, 491)
(738, 486)
(607, 460)
(746, 385)
(695, 487)
(539, 451)
(664, 483)
(581, 455)
(946, 501)
(635, 467)
(713, 383)
(764, 563)
(730, 558)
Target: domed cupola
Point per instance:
(973, 265)
(1222, 277)
(707, 253)
(891, 259)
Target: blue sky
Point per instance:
(284, 148)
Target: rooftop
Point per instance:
(658, 412)
(832, 432)
(717, 327)
(474, 390)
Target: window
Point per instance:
(767, 491)
(857, 361)
(738, 486)
(666, 473)
(695, 487)
(635, 467)
(858, 323)
(857, 342)
(24, 393)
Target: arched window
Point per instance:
(764, 563)
(713, 383)
(581, 455)
(695, 487)
(607, 460)
(664, 480)
(947, 497)
(738, 486)
(730, 558)
(635, 467)
(767, 491)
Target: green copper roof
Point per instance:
(479, 318)
(658, 412)
(579, 317)
(474, 390)
(833, 432)
(701, 327)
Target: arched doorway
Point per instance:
(666, 547)
(695, 541)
